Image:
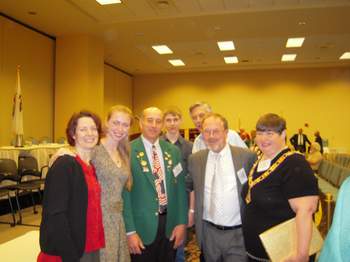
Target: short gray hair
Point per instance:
(198, 104)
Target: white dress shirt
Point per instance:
(225, 193)
(232, 138)
(149, 152)
(300, 139)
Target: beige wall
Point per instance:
(117, 88)
(319, 97)
(35, 53)
(79, 78)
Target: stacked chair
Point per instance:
(333, 175)
(30, 179)
(8, 178)
(26, 179)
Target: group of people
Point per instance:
(300, 141)
(110, 200)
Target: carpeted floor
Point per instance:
(192, 252)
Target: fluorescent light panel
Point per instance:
(226, 45)
(295, 42)
(288, 57)
(346, 55)
(108, 2)
(176, 62)
(162, 49)
(231, 59)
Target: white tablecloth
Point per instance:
(41, 152)
(23, 248)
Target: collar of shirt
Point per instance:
(148, 145)
(179, 140)
(224, 152)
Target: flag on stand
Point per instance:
(17, 110)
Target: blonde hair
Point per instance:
(124, 145)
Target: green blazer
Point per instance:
(141, 204)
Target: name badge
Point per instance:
(177, 169)
(242, 176)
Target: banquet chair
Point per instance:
(8, 184)
(61, 140)
(32, 141)
(45, 140)
(30, 179)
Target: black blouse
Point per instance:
(269, 204)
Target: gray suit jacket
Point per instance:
(241, 157)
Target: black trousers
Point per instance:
(160, 250)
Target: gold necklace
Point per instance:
(115, 156)
(252, 182)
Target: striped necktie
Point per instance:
(159, 181)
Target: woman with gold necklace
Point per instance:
(280, 186)
(111, 160)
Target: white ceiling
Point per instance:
(191, 28)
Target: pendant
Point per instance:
(248, 197)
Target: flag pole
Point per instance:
(17, 113)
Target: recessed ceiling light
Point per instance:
(162, 4)
(295, 42)
(231, 59)
(346, 55)
(226, 45)
(176, 62)
(162, 49)
(288, 57)
(108, 2)
(302, 23)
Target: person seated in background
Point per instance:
(336, 247)
(319, 140)
(71, 227)
(299, 141)
(314, 157)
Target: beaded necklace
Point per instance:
(252, 182)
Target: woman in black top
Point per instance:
(280, 186)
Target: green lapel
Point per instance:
(168, 162)
(139, 152)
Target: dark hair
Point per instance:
(271, 122)
(73, 122)
(217, 116)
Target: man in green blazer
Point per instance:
(155, 210)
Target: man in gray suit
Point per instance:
(216, 175)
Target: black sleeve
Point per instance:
(292, 140)
(307, 140)
(56, 204)
(298, 179)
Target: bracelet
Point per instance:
(191, 210)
